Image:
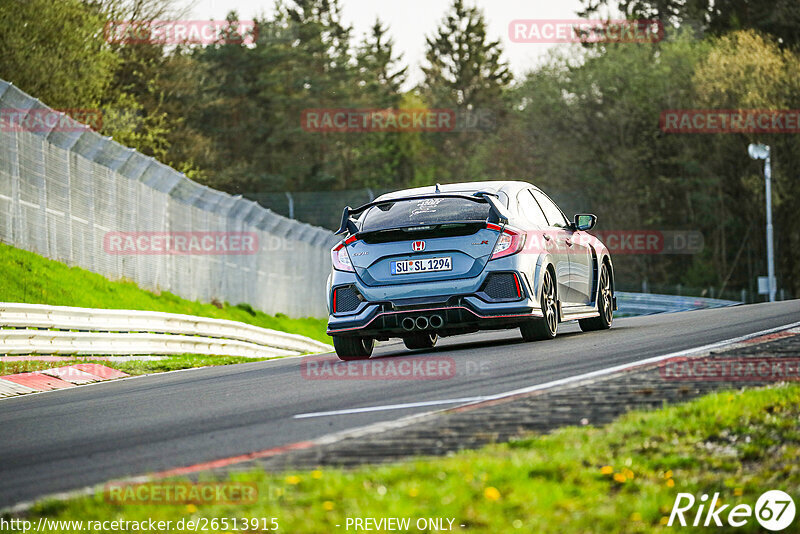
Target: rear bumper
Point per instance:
(464, 304)
(459, 314)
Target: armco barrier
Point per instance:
(64, 191)
(67, 330)
(650, 303)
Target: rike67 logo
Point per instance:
(774, 510)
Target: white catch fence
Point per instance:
(75, 196)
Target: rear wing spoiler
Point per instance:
(498, 212)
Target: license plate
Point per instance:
(422, 266)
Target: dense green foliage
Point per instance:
(583, 124)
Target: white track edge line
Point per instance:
(554, 383)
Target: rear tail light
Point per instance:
(510, 242)
(340, 258)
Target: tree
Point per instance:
(780, 18)
(379, 71)
(588, 133)
(55, 51)
(383, 159)
(464, 68)
(133, 103)
(464, 72)
(253, 99)
(748, 70)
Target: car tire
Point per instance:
(605, 305)
(546, 327)
(420, 341)
(353, 348)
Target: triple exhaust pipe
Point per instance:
(422, 323)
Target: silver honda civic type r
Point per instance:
(458, 258)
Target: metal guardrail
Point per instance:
(650, 303)
(41, 329)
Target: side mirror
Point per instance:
(584, 221)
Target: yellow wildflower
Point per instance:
(491, 493)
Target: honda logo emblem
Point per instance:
(418, 246)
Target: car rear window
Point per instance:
(422, 212)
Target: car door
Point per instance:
(581, 268)
(551, 238)
(578, 279)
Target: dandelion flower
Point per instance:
(491, 493)
(628, 473)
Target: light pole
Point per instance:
(759, 151)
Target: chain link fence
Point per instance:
(70, 194)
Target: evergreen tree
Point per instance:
(781, 18)
(464, 72)
(464, 68)
(379, 72)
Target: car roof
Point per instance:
(496, 186)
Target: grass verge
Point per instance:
(133, 367)
(623, 477)
(30, 278)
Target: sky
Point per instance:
(410, 21)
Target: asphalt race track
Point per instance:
(69, 439)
